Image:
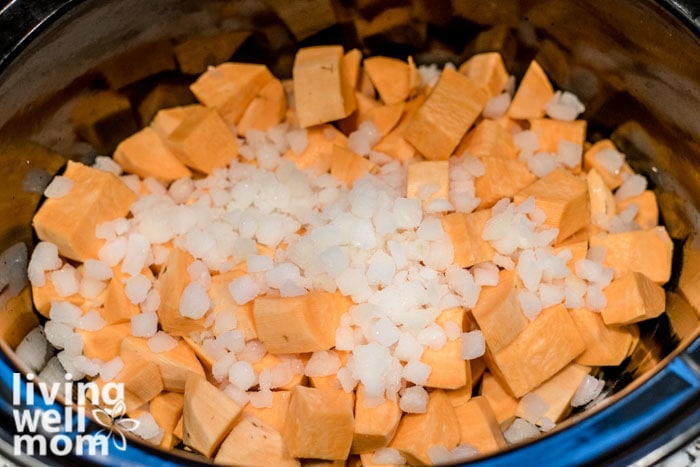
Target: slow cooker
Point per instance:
(634, 63)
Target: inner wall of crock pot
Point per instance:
(630, 63)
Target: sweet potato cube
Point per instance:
(207, 415)
(623, 252)
(319, 424)
(319, 152)
(486, 70)
(117, 306)
(203, 141)
(601, 199)
(605, 345)
(171, 283)
(478, 426)
(418, 432)
(166, 120)
(502, 178)
(353, 65)
(321, 88)
(253, 442)
(385, 117)
(304, 323)
(141, 383)
(223, 302)
(105, 343)
(532, 94)
(544, 347)
(502, 403)
(276, 413)
(69, 222)
(394, 144)
(550, 132)
(195, 55)
(166, 409)
(266, 110)
(488, 139)
(557, 392)
(138, 63)
(564, 199)
(391, 78)
(449, 111)
(17, 318)
(449, 369)
(103, 119)
(165, 94)
(633, 298)
(330, 381)
(175, 365)
(590, 161)
(498, 314)
(271, 360)
(44, 295)
(230, 87)
(648, 209)
(428, 180)
(374, 426)
(348, 166)
(465, 229)
(146, 154)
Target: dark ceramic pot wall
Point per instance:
(635, 64)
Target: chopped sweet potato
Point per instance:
(557, 392)
(502, 403)
(321, 88)
(166, 120)
(375, 425)
(605, 345)
(175, 365)
(105, 343)
(532, 94)
(222, 301)
(428, 177)
(486, 70)
(385, 117)
(319, 423)
(613, 180)
(550, 132)
(142, 382)
(298, 324)
(648, 209)
(478, 426)
(208, 415)
(319, 152)
(391, 77)
(622, 252)
(266, 110)
(271, 360)
(230, 87)
(276, 413)
(44, 295)
(96, 197)
(171, 283)
(348, 166)
(418, 432)
(165, 94)
(543, 348)
(252, 442)
(632, 298)
(498, 314)
(488, 139)
(195, 55)
(146, 154)
(203, 141)
(17, 318)
(449, 111)
(449, 369)
(564, 199)
(117, 306)
(601, 199)
(464, 229)
(166, 409)
(502, 178)
(353, 65)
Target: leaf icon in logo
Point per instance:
(115, 424)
